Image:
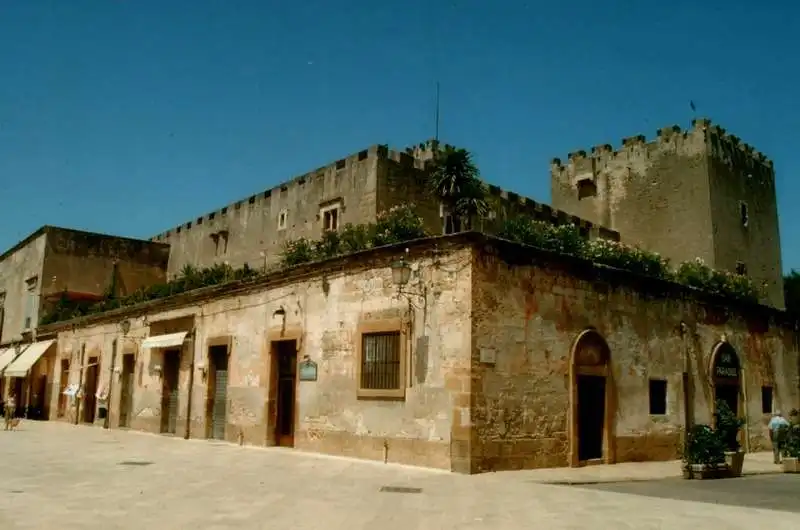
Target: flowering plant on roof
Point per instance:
(634, 259)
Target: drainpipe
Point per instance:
(187, 433)
(688, 420)
(80, 386)
(107, 419)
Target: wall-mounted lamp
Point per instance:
(157, 369)
(202, 368)
(125, 326)
(401, 272)
(401, 276)
(117, 370)
(279, 313)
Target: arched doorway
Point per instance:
(726, 376)
(591, 411)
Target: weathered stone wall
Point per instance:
(85, 262)
(529, 317)
(61, 259)
(738, 176)
(324, 310)
(249, 231)
(16, 267)
(680, 196)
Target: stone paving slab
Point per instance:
(62, 477)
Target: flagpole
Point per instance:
(436, 114)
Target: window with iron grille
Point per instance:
(381, 366)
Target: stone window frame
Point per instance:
(283, 219)
(393, 325)
(327, 208)
(31, 309)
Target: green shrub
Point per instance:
(566, 239)
(704, 446)
(396, 225)
(728, 426)
(791, 446)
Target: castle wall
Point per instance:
(655, 194)
(254, 230)
(742, 179)
(679, 195)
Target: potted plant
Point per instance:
(728, 427)
(704, 454)
(791, 449)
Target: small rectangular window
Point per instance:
(31, 302)
(330, 220)
(380, 361)
(282, 220)
(741, 268)
(766, 399)
(658, 397)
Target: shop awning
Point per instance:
(26, 360)
(6, 356)
(164, 341)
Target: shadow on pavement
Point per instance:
(769, 491)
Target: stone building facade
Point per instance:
(701, 193)
(52, 263)
(485, 360)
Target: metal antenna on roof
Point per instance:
(436, 114)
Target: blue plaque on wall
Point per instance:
(308, 370)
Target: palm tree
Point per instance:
(455, 180)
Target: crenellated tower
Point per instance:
(686, 194)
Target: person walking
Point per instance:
(778, 427)
(11, 407)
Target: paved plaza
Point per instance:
(57, 476)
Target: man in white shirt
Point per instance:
(778, 427)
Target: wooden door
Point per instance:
(217, 400)
(169, 391)
(286, 364)
(89, 397)
(126, 390)
(62, 386)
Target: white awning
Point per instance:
(26, 360)
(6, 356)
(164, 341)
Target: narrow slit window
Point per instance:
(658, 397)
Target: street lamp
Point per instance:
(401, 273)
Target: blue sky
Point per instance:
(133, 116)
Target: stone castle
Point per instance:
(465, 352)
(700, 193)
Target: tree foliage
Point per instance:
(455, 180)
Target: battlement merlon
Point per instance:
(544, 212)
(637, 145)
(416, 156)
